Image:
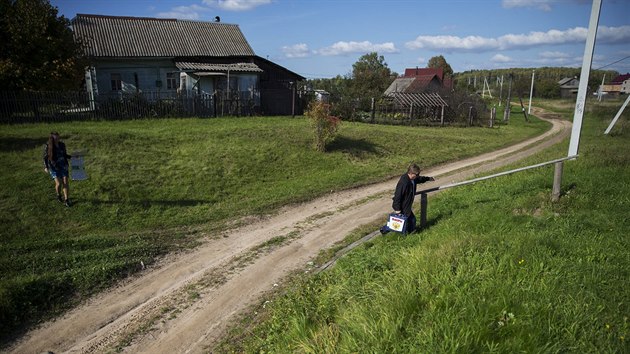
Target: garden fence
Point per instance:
(31, 107)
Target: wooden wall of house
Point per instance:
(276, 84)
(276, 90)
(136, 75)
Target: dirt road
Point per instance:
(183, 304)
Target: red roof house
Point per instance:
(418, 80)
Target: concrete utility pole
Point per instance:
(612, 124)
(601, 88)
(531, 92)
(586, 69)
(501, 91)
(506, 112)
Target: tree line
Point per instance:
(545, 79)
(38, 53)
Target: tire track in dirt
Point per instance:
(184, 304)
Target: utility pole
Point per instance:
(531, 92)
(506, 112)
(501, 91)
(586, 69)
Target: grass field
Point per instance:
(156, 186)
(501, 269)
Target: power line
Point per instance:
(613, 63)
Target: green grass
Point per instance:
(156, 186)
(500, 269)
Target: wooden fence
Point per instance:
(28, 107)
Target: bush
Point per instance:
(325, 125)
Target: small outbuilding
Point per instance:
(569, 87)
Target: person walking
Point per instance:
(56, 164)
(405, 193)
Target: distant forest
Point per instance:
(545, 80)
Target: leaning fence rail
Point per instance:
(555, 193)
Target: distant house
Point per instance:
(418, 80)
(322, 95)
(180, 57)
(415, 96)
(620, 84)
(569, 87)
(620, 79)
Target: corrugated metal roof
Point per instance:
(421, 83)
(410, 84)
(399, 85)
(414, 72)
(112, 36)
(236, 67)
(418, 99)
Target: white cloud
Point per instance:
(554, 55)
(612, 35)
(296, 51)
(500, 58)
(422, 60)
(236, 5)
(341, 48)
(544, 5)
(183, 12)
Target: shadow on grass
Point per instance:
(358, 148)
(21, 144)
(430, 223)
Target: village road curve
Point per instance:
(184, 304)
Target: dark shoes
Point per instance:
(64, 202)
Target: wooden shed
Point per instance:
(415, 106)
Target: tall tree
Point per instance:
(440, 62)
(371, 77)
(37, 49)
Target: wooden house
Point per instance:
(569, 87)
(621, 84)
(417, 80)
(169, 57)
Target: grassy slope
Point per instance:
(158, 185)
(501, 269)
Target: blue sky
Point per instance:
(323, 38)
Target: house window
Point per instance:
(171, 81)
(116, 82)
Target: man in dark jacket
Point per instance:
(405, 193)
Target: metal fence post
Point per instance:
(557, 181)
(423, 210)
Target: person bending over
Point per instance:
(405, 193)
